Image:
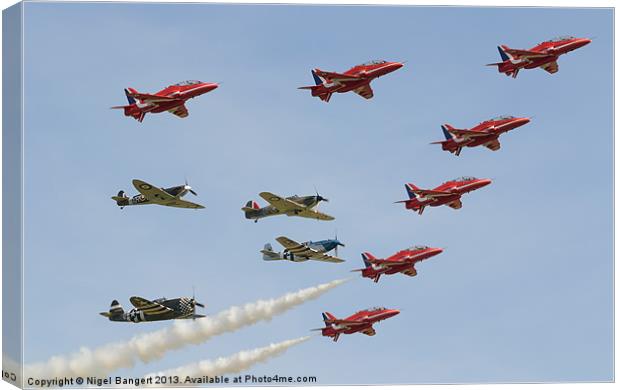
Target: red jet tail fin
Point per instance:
(328, 317)
(367, 257)
(410, 187)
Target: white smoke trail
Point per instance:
(154, 345)
(238, 362)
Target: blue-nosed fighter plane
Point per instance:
(294, 251)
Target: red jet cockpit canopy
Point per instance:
(373, 62)
(187, 82)
(465, 178)
(502, 117)
(418, 247)
(561, 38)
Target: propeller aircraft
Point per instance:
(149, 194)
(293, 206)
(296, 252)
(156, 310)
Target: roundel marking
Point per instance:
(145, 186)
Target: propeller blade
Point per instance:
(193, 192)
(199, 304)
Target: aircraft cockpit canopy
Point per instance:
(418, 247)
(374, 62)
(502, 117)
(187, 82)
(561, 38)
(465, 178)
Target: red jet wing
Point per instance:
(180, 111)
(468, 133)
(364, 91)
(145, 97)
(526, 53)
(551, 67)
(337, 77)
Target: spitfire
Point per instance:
(296, 252)
(150, 194)
(171, 99)
(361, 322)
(544, 55)
(356, 79)
(293, 206)
(449, 193)
(485, 133)
(403, 262)
(156, 310)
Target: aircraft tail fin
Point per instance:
(446, 131)
(269, 254)
(502, 52)
(116, 310)
(410, 187)
(367, 257)
(250, 206)
(328, 317)
(128, 92)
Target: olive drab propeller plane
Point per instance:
(485, 133)
(293, 206)
(156, 310)
(356, 79)
(171, 99)
(448, 193)
(544, 55)
(309, 250)
(149, 194)
(361, 322)
(403, 262)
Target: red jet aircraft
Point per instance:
(485, 133)
(448, 193)
(356, 79)
(544, 55)
(403, 261)
(361, 321)
(171, 99)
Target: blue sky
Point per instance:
(523, 290)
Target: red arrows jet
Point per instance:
(361, 321)
(485, 133)
(401, 262)
(448, 193)
(356, 79)
(544, 55)
(171, 99)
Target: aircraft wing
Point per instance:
(526, 53)
(307, 213)
(457, 204)
(364, 91)
(183, 204)
(337, 77)
(148, 98)
(283, 205)
(409, 272)
(370, 331)
(551, 67)
(161, 197)
(493, 145)
(180, 111)
(468, 133)
(149, 307)
(302, 250)
(432, 193)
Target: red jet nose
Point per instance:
(391, 313)
(582, 42)
(436, 251)
(483, 182)
(206, 87)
